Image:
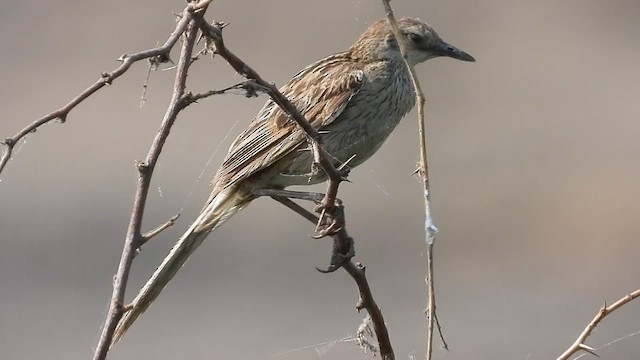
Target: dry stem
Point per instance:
(162, 53)
(605, 310)
(423, 169)
(134, 237)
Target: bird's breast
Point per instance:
(363, 126)
(371, 116)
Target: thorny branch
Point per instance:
(158, 54)
(423, 170)
(134, 238)
(605, 310)
(357, 272)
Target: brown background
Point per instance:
(534, 158)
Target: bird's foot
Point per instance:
(331, 219)
(332, 224)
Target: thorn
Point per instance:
(200, 37)
(317, 234)
(220, 24)
(123, 57)
(344, 164)
(588, 349)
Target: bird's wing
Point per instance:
(320, 92)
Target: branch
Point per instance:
(249, 88)
(423, 169)
(145, 169)
(357, 272)
(161, 53)
(605, 310)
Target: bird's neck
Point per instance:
(393, 79)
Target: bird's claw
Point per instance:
(336, 217)
(332, 229)
(328, 270)
(321, 207)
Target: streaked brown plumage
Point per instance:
(355, 97)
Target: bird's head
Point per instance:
(422, 42)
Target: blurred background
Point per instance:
(534, 158)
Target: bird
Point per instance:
(355, 98)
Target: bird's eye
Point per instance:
(415, 38)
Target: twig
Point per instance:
(154, 63)
(430, 229)
(145, 170)
(357, 272)
(150, 234)
(250, 88)
(605, 310)
(162, 53)
(444, 342)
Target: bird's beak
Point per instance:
(444, 49)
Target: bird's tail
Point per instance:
(219, 209)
